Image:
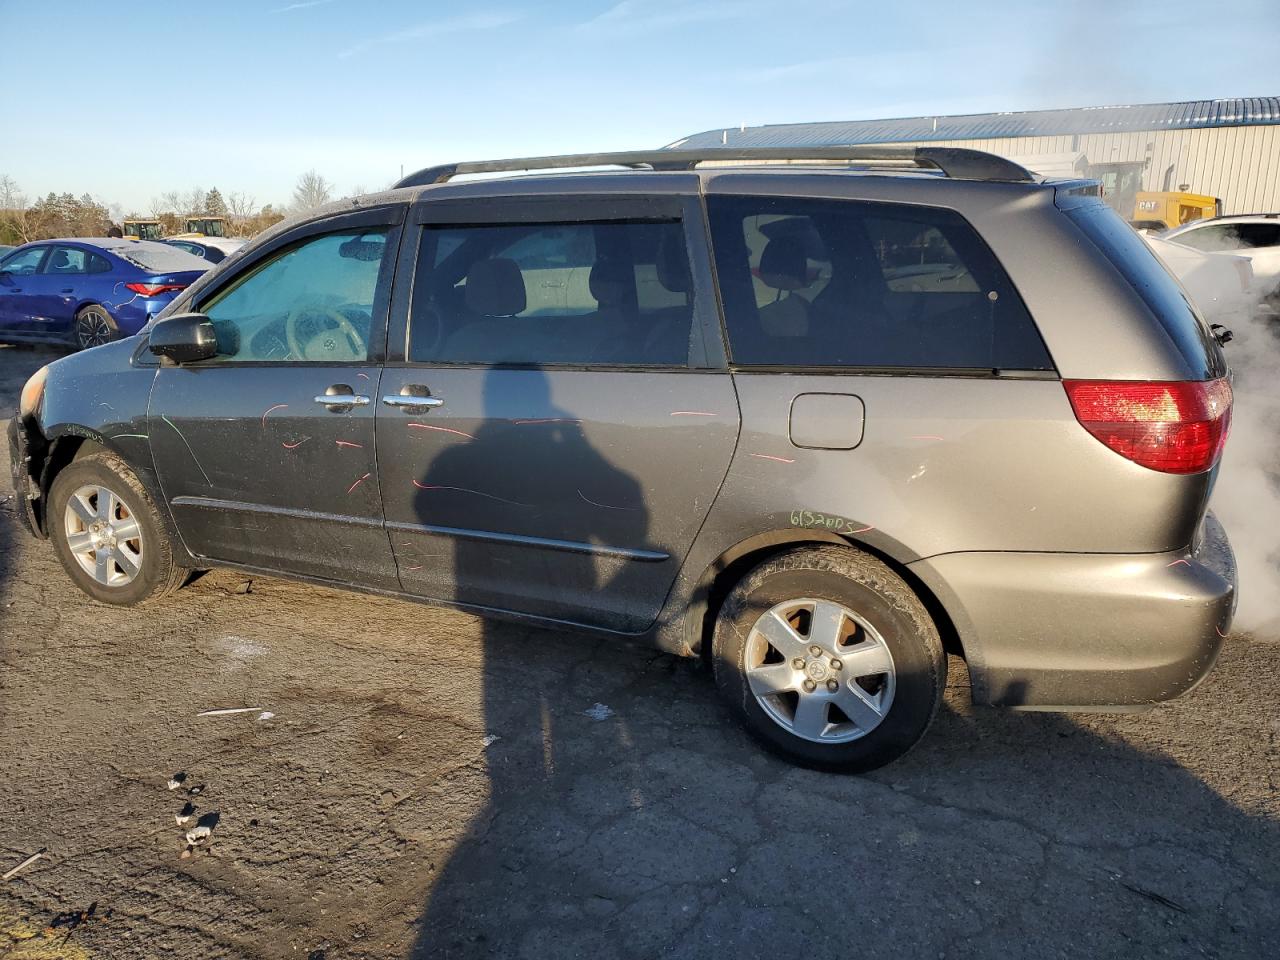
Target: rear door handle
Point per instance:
(398, 401)
(413, 398)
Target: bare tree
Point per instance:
(241, 204)
(312, 191)
(193, 201)
(168, 202)
(9, 192)
(358, 191)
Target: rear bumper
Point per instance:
(1088, 631)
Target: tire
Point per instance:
(136, 569)
(94, 326)
(873, 633)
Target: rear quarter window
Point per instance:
(857, 284)
(1162, 294)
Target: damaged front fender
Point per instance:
(26, 483)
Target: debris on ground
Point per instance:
(177, 780)
(243, 588)
(491, 739)
(25, 863)
(228, 711)
(72, 919)
(598, 712)
(265, 715)
(183, 817)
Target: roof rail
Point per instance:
(956, 162)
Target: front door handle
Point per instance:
(340, 396)
(397, 401)
(343, 400)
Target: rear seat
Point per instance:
(495, 294)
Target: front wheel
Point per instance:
(108, 534)
(830, 659)
(94, 327)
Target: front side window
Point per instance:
(611, 293)
(842, 283)
(64, 261)
(311, 302)
(24, 262)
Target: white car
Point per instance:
(1254, 236)
(1220, 284)
(213, 249)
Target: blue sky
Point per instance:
(129, 100)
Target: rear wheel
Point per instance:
(94, 327)
(108, 535)
(830, 659)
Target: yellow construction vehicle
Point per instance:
(143, 229)
(1172, 208)
(206, 227)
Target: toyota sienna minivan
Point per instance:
(821, 422)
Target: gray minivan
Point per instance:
(821, 422)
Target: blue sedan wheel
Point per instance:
(94, 327)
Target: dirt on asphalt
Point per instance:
(416, 782)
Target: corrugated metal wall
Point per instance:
(1241, 165)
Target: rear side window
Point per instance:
(838, 283)
(1218, 237)
(1165, 298)
(608, 293)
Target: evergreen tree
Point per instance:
(214, 205)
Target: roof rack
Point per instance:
(955, 162)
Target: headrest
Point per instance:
(673, 262)
(60, 260)
(495, 288)
(611, 281)
(783, 264)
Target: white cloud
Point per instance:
(633, 16)
(301, 5)
(434, 28)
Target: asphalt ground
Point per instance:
(416, 782)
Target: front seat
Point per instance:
(494, 293)
(784, 267)
(59, 262)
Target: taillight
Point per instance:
(155, 289)
(1173, 427)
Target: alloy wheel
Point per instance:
(103, 535)
(93, 328)
(819, 670)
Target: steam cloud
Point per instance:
(1247, 495)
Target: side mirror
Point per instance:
(184, 338)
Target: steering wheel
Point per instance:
(323, 342)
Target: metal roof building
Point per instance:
(1225, 148)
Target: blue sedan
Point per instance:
(88, 292)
